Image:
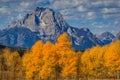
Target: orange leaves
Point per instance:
(10, 62)
(45, 71)
(69, 67)
(103, 60)
(51, 61)
(64, 41)
(112, 58)
(48, 60)
(64, 38)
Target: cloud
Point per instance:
(116, 22)
(63, 4)
(98, 25)
(20, 16)
(110, 2)
(41, 0)
(81, 8)
(105, 16)
(60, 4)
(96, 3)
(3, 10)
(91, 15)
(5, 0)
(105, 3)
(68, 14)
(110, 10)
(24, 4)
(68, 11)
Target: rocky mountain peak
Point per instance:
(85, 29)
(106, 37)
(41, 18)
(46, 25)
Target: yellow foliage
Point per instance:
(112, 58)
(48, 60)
(64, 41)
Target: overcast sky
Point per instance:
(98, 15)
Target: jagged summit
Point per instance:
(41, 18)
(47, 25)
(85, 29)
(42, 9)
(106, 37)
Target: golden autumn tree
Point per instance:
(50, 61)
(53, 57)
(102, 62)
(32, 61)
(112, 59)
(40, 62)
(64, 41)
(12, 59)
(68, 59)
(79, 72)
(1, 65)
(6, 54)
(68, 62)
(85, 63)
(101, 68)
(93, 62)
(11, 63)
(15, 64)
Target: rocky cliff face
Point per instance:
(106, 37)
(83, 38)
(18, 36)
(44, 21)
(118, 35)
(46, 25)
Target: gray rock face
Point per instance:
(106, 37)
(44, 21)
(45, 24)
(83, 38)
(118, 35)
(18, 36)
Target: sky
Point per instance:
(97, 15)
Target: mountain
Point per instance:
(83, 38)
(106, 37)
(46, 25)
(118, 35)
(18, 36)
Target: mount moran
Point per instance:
(46, 25)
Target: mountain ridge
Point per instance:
(46, 25)
(106, 37)
(118, 35)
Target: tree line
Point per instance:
(59, 61)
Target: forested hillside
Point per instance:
(59, 61)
